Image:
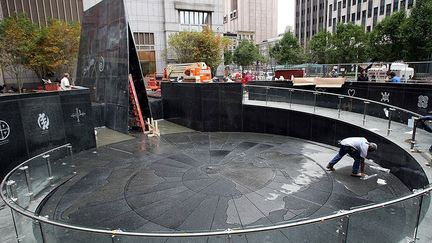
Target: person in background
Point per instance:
(357, 148)
(64, 83)
(394, 78)
(363, 73)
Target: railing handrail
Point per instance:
(228, 231)
(25, 162)
(338, 95)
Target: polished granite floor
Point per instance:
(196, 181)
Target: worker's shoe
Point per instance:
(357, 174)
(330, 167)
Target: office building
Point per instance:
(311, 17)
(41, 11)
(254, 20)
(315, 15)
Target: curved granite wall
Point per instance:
(218, 107)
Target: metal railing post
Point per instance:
(418, 219)
(315, 98)
(364, 111)
(290, 99)
(389, 121)
(267, 89)
(340, 105)
(342, 229)
(48, 162)
(11, 190)
(27, 178)
(413, 136)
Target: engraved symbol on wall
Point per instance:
(77, 114)
(385, 97)
(43, 121)
(101, 64)
(351, 92)
(423, 101)
(4, 130)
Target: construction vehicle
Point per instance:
(197, 72)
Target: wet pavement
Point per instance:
(197, 181)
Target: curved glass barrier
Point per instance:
(25, 187)
(389, 121)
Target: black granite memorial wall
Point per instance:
(218, 107)
(107, 56)
(33, 123)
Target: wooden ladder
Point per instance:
(138, 119)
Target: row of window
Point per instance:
(144, 41)
(195, 18)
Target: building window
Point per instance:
(410, 3)
(388, 9)
(368, 29)
(144, 41)
(353, 2)
(363, 17)
(382, 4)
(353, 18)
(370, 8)
(395, 5)
(344, 4)
(233, 5)
(402, 4)
(375, 16)
(334, 5)
(194, 20)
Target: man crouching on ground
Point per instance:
(357, 148)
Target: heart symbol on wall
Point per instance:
(351, 92)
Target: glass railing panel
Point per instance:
(254, 93)
(324, 231)
(27, 229)
(39, 176)
(277, 97)
(328, 104)
(302, 101)
(16, 188)
(53, 233)
(61, 164)
(198, 239)
(424, 233)
(393, 223)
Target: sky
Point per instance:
(286, 14)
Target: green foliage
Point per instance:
(58, 46)
(287, 50)
(387, 40)
(44, 50)
(228, 57)
(246, 53)
(418, 31)
(348, 44)
(18, 38)
(319, 47)
(205, 46)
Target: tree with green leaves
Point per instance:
(349, 44)
(205, 46)
(387, 40)
(58, 46)
(319, 47)
(418, 31)
(228, 57)
(246, 53)
(288, 50)
(18, 38)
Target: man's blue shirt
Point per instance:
(395, 79)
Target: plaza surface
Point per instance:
(194, 182)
